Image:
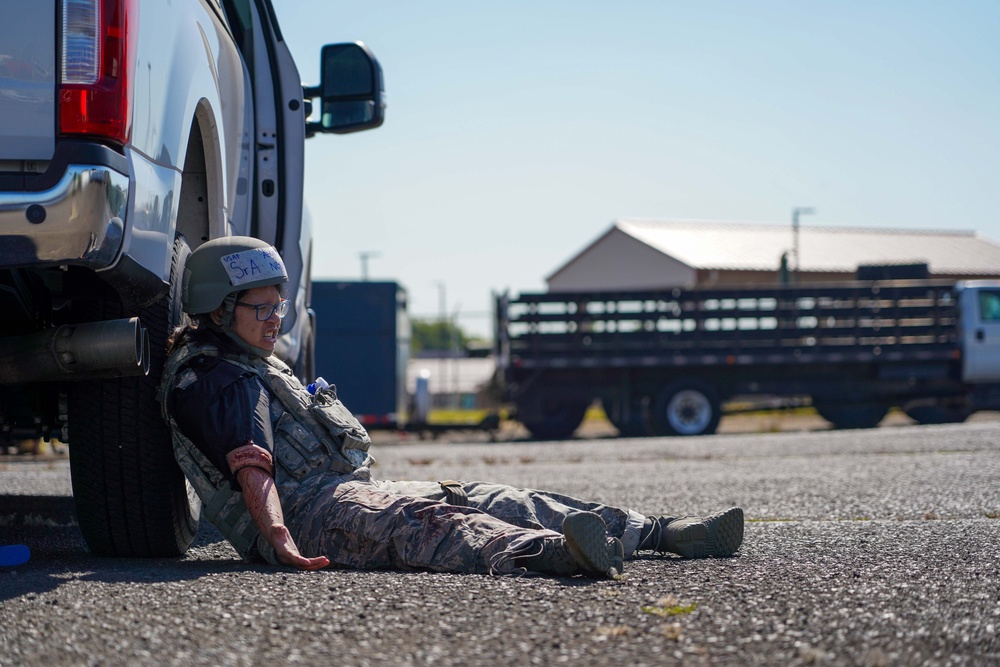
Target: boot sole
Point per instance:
(587, 540)
(720, 535)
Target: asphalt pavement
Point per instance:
(875, 547)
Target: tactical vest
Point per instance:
(316, 434)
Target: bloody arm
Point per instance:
(252, 466)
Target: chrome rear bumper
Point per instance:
(79, 221)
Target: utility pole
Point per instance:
(364, 255)
(456, 358)
(796, 212)
(445, 331)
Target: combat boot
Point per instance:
(584, 548)
(717, 535)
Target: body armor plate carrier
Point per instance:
(315, 435)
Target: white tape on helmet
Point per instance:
(249, 266)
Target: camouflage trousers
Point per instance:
(362, 523)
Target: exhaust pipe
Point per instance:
(91, 350)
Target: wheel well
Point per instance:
(193, 220)
(199, 196)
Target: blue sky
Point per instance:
(517, 131)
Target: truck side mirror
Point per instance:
(352, 91)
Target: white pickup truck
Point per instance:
(132, 131)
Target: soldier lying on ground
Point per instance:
(283, 472)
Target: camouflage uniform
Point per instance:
(334, 508)
(360, 522)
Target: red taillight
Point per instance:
(98, 61)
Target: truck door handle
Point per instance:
(980, 335)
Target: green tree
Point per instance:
(436, 335)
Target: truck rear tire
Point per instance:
(686, 407)
(558, 421)
(131, 498)
(851, 415)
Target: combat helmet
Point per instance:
(219, 269)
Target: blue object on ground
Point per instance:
(14, 554)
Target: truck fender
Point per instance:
(187, 70)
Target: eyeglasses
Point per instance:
(265, 310)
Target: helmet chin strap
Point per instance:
(226, 320)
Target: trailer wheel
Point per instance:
(131, 498)
(851, 415)
(687, 407)
(558, 420)
(631, 418)
(936, 414)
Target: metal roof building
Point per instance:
(651, 254)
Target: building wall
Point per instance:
(716, 278)
(620, 262)
(719, 278)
